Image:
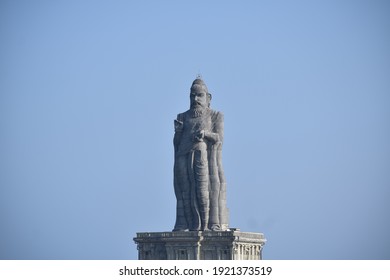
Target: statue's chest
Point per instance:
(199, 123)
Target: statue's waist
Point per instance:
(187, 147)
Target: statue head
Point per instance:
(199, 95)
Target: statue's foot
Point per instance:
(215, 228)
(204, 228)
(180, 229)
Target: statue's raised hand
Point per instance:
(178, 125)
(199, 136)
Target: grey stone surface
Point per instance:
(201, 231)
(199, 181)
(200, 245)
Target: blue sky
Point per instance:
(89, 91)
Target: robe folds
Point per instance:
(199, 180)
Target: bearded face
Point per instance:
(198, 98)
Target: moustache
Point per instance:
(196, 104)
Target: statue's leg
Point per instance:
(223, 210)
(201, 174)
(214, 223)
(181, 223)
(182, 192)
(195, 225)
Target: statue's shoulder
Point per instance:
(182, 116)
(216, 115)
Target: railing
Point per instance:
(187, 234)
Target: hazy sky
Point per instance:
(89, 91)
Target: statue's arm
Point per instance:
(178, 131)
(211, 136)
(216, 135)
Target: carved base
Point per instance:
(200, 245)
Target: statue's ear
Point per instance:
(210, 96)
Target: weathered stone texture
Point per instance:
(199, 245)
(201, 230)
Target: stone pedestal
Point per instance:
(200, 245)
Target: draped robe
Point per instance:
(199, 181)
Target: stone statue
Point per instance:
(199, 181)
